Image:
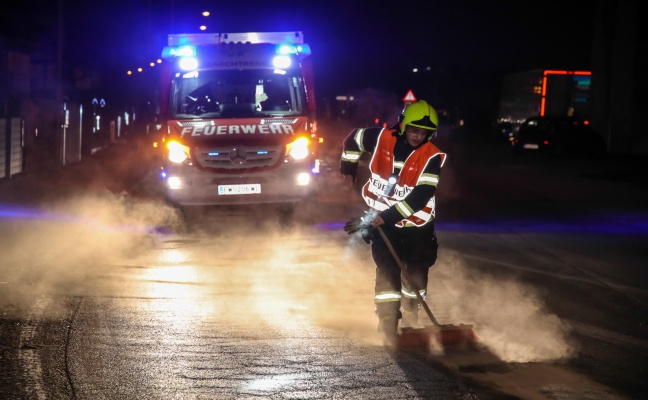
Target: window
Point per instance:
(229, 94)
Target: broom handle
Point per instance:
(406, 276)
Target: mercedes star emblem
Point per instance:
(237, 156)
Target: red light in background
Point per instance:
(544, 84)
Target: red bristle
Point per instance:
(445, 335)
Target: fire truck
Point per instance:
(240, 119)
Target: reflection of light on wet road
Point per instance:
(173, 256)
(270, 383)
(187, 287)
(295, 291)
(179, 294)
(173, 279)
(172, 275)
(171, 282)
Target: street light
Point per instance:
(204, 14)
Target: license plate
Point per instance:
(531, 146)
(239, 189)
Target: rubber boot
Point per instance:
(388, 316)
(410, 312)
(389, 327)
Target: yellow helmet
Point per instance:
(420, 115)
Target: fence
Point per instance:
(12, 145)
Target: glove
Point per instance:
(360, 224)
(367, 233)
(353, 225)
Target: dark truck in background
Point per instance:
(543, 93)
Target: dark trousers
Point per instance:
(417, 249)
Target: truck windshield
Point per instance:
(236, 94)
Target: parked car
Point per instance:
(557, 136)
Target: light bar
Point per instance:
(186, 50)
(286, 48)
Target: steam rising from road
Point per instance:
(247, 265)
(509, 316)
(60, 244)
(281, 275)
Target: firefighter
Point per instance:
(406, 215)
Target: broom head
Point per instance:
(446, 335)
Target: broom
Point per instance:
(445, 334)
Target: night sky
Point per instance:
(355, 44)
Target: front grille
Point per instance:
(199, 123)
(286, 121)
(237, 157)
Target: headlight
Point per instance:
(174, 183)
(281, 62)
(297, 150)
(188, 63)
(178, 153)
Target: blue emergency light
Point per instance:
(186, 50)
(187, 55)
(286, 48)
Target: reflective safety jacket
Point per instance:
(411, 174)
